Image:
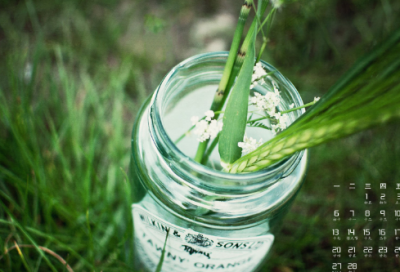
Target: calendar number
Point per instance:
(382, 250)
(352, 266)
(337, 266)
(367, 249)
(336, 213)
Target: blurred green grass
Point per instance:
(74, 73)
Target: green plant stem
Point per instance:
(184, 135)
(235, 70)
(301, 107)
(200, 151)
(223, 93)
(239, 62)
(160, 263)
(264, 44)
(210, 150)
(268, 18)
(222, 87)
(244, 13)
(264, 76)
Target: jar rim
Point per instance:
(167, 147)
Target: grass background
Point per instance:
(74, 73)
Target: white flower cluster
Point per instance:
(249, 144)
(206, 128)
(268, 103)
(258, 72)
(281, 122)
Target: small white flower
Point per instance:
(268, 102)
(209, 115)
(249, 144)
(207, 128)
(273, 98)
(201, 130)
(214, 127)
(258, 72)
(281, 120)
(316, 99)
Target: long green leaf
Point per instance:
(261, 8)
(235, 116)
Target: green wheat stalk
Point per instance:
(368, 95)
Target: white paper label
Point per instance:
(188, 251)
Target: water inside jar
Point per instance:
(195, 102)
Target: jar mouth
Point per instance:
(185, 165)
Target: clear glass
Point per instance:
(214, 220)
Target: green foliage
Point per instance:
(365, 96)
(66, 111)
(65, 131)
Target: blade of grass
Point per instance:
(91, 256)
(341, 85)
(160, 263)
(235, 116)
(48, 251)
(376, 79)
(29, 238)
(22, 257)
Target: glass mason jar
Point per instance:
(209, 220)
